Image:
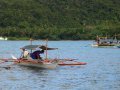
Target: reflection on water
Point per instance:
(101, 72)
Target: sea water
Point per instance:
(102, 71)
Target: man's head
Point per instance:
(42, 51)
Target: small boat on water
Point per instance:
(105, 42)
(45, 63)
(41, 63)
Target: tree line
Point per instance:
(59, 19)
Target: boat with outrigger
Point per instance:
(105, 42)
(41, 63)
(46, 63)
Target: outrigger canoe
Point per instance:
(44, 63)
(41, 63)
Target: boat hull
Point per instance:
(39, 64)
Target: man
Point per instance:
(36, 54)
(24, 54)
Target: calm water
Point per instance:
(102, 71)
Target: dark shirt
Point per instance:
(36, 54)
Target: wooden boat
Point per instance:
(105, 42)
(44, 63)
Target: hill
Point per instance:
(59, 19)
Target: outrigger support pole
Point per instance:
(31, 43)
(46, 48)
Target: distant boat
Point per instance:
(105, 41)
(3, 38)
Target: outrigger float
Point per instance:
(71, 63)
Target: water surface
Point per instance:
(102, 71)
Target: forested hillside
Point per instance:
(59, 19)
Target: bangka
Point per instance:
(105, 42)
(44, 63)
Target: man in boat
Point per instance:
(36, 54)
(24, 54)
(98, 40)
